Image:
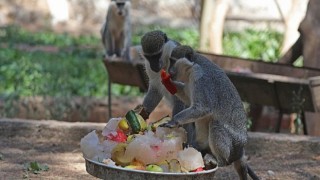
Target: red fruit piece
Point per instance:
(165, 77)
(199, 169)
(119, 137)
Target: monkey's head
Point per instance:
(182, 69)
(152, 46)
(181, 52)
(177, 53)
(121, 6)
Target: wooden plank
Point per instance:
(293, 95)
(253, 89)
(273, 90)
(125, 73)
(258, 66)
(266, 89)
(315, 89)
(313, 123)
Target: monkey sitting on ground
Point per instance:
(156, 50)
(116, 31)
(214, 106)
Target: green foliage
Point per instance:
(184, 36)
(75, 68)
(58, 74)
(249, 43)
(35, 167)
(264, 45)
(16, 35)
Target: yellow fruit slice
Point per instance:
(135, 167)
(159, 122)
(174, 166)
(142, 122)
(131, 138)
(123, 125)
(118, 155)
(154, 168)
(164, 165)
(137, 163)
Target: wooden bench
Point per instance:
(268, 84)
(230, 63)
(289, 95)
(125, 73)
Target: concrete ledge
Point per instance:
(47, 129)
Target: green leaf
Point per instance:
(36, 167)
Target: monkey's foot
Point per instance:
(209, 161)
(108, 56)
(170, 124)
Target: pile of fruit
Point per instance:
(130, 143)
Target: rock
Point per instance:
(271, 173)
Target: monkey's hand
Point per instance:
(209, 161)
(179, 85)
(139, 109)
(170, 124)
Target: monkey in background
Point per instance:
(116, 30)
(156, 50)
(214, 106)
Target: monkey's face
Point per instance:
(155, 61)
(152, 45)
(183, 55)
(121, 7)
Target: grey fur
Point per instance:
(116, 30)
(214, 106)
(153, 43)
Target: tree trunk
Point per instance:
(206, 18)
(217, 25)
(292, 21)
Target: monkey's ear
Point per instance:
(165, 37)
(189, 55)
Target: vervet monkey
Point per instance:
(156, 49)
(214, 106)
(116, 30)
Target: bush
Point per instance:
(262, 45)
(76, 68)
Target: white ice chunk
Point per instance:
(190, 159)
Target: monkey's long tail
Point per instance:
(252, 174)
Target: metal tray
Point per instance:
(104, 171)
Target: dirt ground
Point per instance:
(272, 156)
